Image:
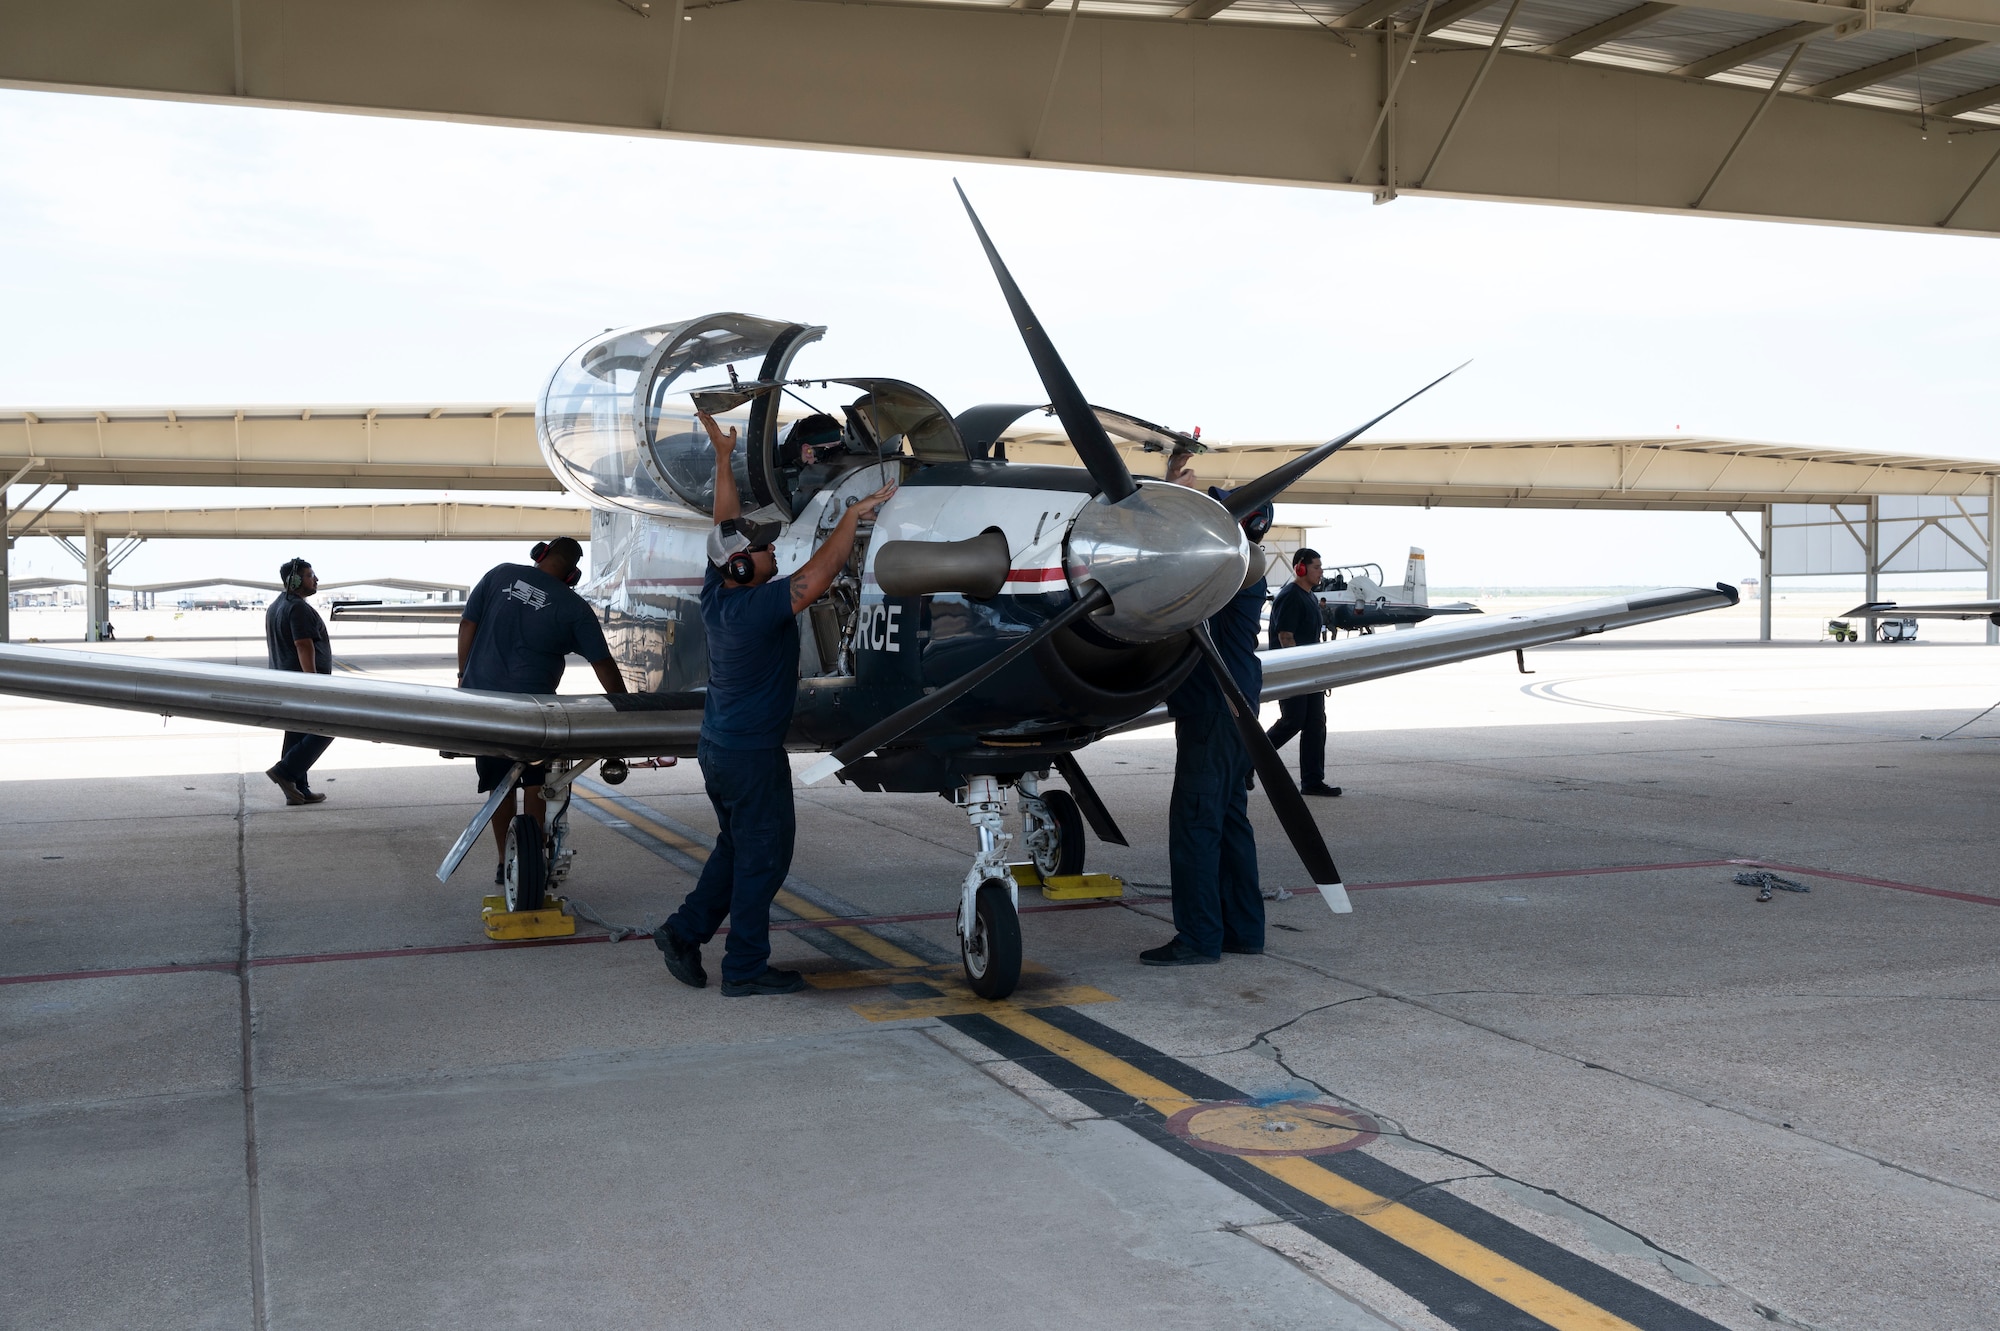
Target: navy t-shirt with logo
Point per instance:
(527, 623)
(753, 662)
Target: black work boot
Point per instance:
(770, 980)
(1175, 953)
(293, 795)
(683, 959)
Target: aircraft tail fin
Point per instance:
(1416, 587)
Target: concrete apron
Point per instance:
(1631, 1098)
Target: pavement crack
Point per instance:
(1263, 1036)
(1708, 1102)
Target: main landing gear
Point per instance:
(537, 862)
(989, 920)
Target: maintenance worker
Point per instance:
(1211, 849)
(295, 639)
(751, 615)
(1295, 622)
(518, 625)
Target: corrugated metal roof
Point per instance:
(1676, 39)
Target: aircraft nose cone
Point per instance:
(1169, 556)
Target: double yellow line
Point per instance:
(1506, 1280)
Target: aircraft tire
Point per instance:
(1069, 835)
(527, 864)
(992, 957)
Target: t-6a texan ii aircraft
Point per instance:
(998, 618)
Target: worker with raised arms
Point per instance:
(751, 617)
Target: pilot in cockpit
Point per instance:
(812, 439)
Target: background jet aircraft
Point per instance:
(995, 620)
(1350, 598)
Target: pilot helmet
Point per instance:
(808, 437)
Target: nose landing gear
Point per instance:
(989, 922)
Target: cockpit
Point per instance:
(617, 418)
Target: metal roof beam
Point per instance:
(1971, 18)
(1752, 49)
(1608, 31)
(1893, 67)
(1972, 101)
(1451, 11)
(1200, 9)
(1367, 12)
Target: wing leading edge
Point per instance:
(426, 716)
(1290, 671)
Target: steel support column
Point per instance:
(6, 547)
(96, 579)
(1872, 589)
(1766, 593)
(1993, 555)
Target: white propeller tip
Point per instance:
(1336, 898)
(821, 770)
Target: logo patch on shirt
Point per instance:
(532, 597)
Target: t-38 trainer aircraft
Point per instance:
(1352, 597)
(998, 618)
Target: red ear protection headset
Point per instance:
(740, 568)
(570, 579)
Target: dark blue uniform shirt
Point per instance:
(528, 622)
(753, 662)
(1296, 612)
(1234, 628)
(290, 619)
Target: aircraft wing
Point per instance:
(1290, 671)
(437, 612)
(535, 727)
(1945, 610)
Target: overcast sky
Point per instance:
(171, 254)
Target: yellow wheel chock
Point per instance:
(1070, 887)
(507, 926)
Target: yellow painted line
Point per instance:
(878, 948)
(965, 1003)
(1447, 1247)
(1105, 1067)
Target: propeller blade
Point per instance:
(1248, 498)
(898, 723)
(1086, 432)
(1279, 788)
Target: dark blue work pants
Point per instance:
(1211, 852)
(299, 754)
(1304, 716)
(751, 790)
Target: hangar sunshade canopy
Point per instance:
(1867, 112)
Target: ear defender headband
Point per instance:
(541, 550)
(294, 574)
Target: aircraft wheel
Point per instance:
(527, 864)
(1066, 855)
(992, 953)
